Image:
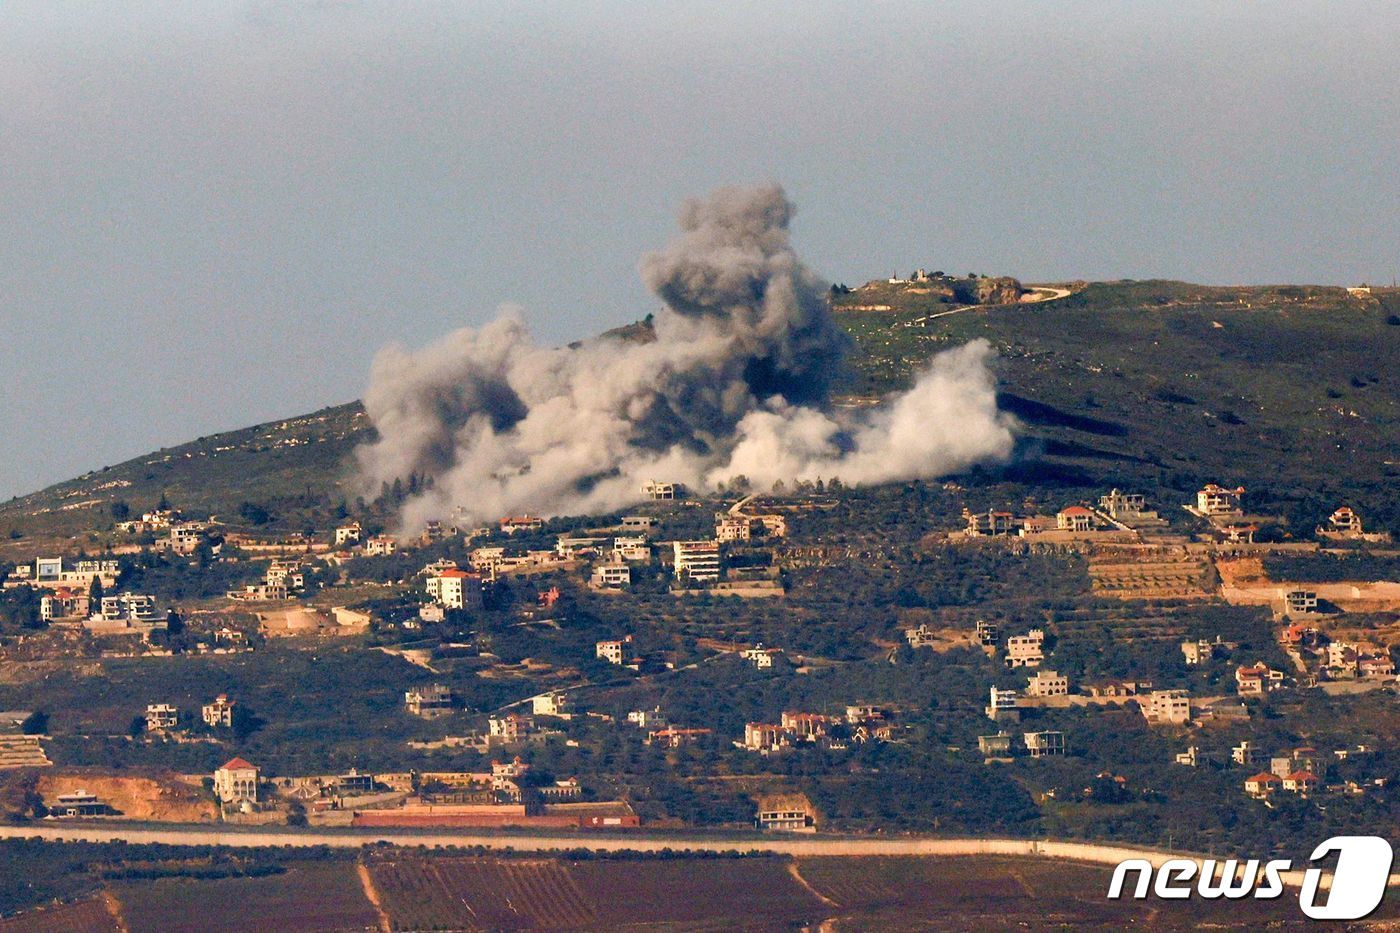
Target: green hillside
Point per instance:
(1293, 391)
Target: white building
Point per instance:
(347, 535)
(236, 782)
(761, 657)
(550, 704)
(633, 549)
(1217, 500)
(614, 652)
(1167, 707)
(455, 589)
(697, 560)
(611, 576)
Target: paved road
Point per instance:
(1043, 293)
(798, 846)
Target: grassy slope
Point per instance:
(1290, 390)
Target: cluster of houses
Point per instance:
(861, 723)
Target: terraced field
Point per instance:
(546, 894)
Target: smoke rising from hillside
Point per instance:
(735, 381)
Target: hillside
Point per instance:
(1291, 390)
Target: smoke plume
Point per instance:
(736, 381)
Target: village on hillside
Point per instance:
(519, 647)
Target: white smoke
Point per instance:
(734, 381)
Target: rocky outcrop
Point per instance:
(989, 291)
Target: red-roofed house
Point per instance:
(1261, 785)
(1256, 679)
(236, 782)
(1075, 518)
(455, 589)
(1301, 782)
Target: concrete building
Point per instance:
(1167, 707)
(660, 492)
(1040, 744)
(697, 561)
(1004, 706)
(613, 651)
(789, 813)
(455, 589)
(1026, 650)
(429, 702)
(380, 546)
(218, 714)
(1074, 518)
(554, 703)
(1214, 499)
(347, 535)
(611, 576)
(1048, 684)
(161, 716)
(989, 523)
(512, 524)
(1300, 602)
(236, 782)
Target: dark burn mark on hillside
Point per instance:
(1039, 413)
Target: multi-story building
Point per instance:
(1075, 518)
(380, 546)
(697, 561)
(989, 523)
(659, 491)
(347, 535)
(611, 576)
(1004, 706)
(631, 548)
(764, 736)
(553, 703)
(429, 702)
(1040, 744)
(1167, 707)
(1026, 650)
(614, 651)
(1214, 499)
(510, 728)
(789, 813)
(236, 782)
(455, 589)
(1048, 684)
(218, 714)
(161, 716)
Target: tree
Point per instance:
(36, 724)
(138, 726)
(95, 593)
(254, 514)
(119, 509)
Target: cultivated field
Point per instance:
(309, 896)
(86, 916)
(527, 894)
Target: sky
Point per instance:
(213, 214)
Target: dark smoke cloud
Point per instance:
(736, 381)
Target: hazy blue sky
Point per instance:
(213, 213)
